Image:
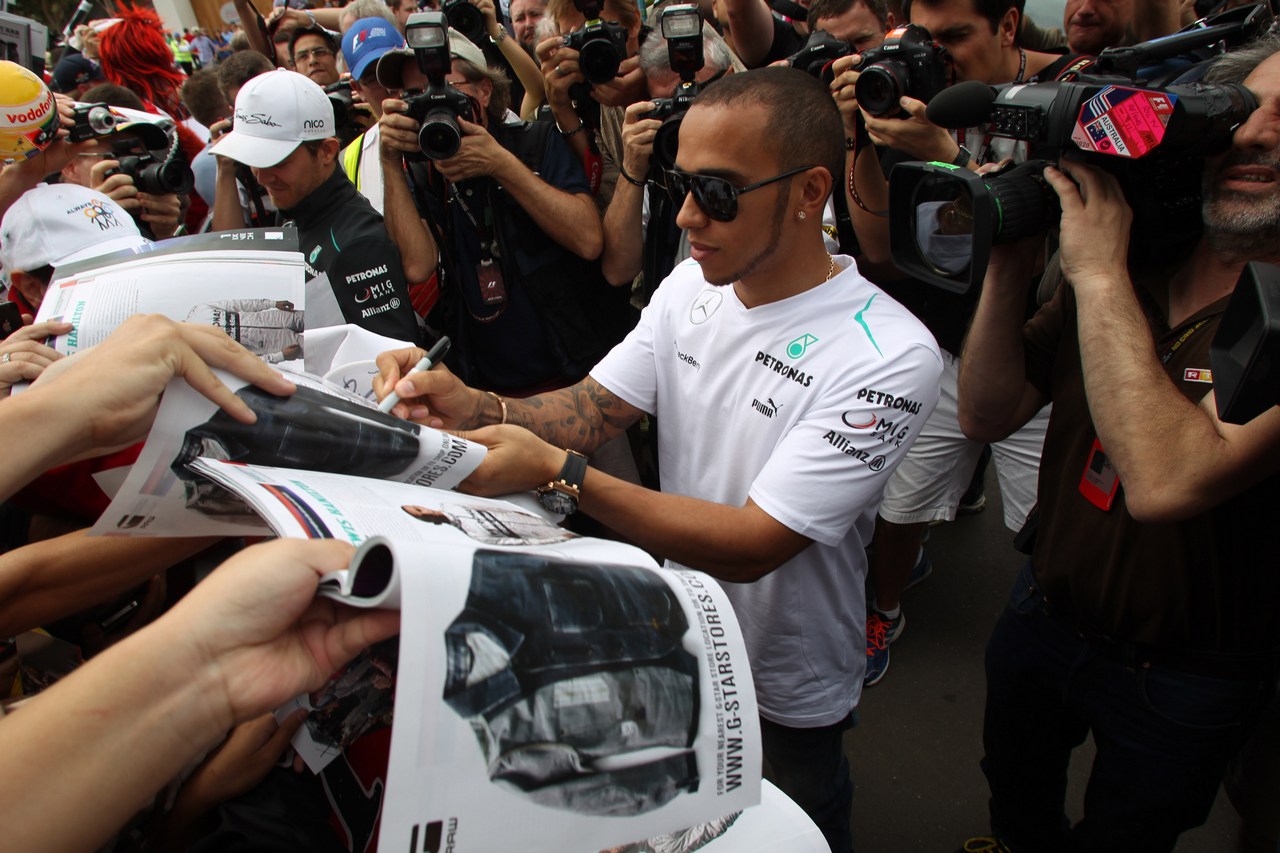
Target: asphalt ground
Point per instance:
(916, 750)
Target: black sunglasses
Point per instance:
(715, 196)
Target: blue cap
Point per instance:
(366, 41)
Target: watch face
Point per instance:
(558, 502)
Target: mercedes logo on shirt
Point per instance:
(704, 306)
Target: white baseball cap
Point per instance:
(56, 224)
(275, 113)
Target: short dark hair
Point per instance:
(239, 68)
(329, 40)
(819, 9)
(114, 96)
(803, 126)
(203, 98)
(993, 10)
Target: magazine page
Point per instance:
(251, 287)
(317, 428)
(314, 505)
(589, 703)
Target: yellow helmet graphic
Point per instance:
(28, 113)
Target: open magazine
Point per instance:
(317, 428)
(248, 283)
(566, 683)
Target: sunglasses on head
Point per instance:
(717, 197)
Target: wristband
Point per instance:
(582, 125)
(628, 178)
(501, 403)
(499, 38)
(962, 158)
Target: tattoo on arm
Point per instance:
(583, 416)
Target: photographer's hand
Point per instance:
(846, 76)
(637, 139)
(399, 134)
(119, 187)
(163, 213)
(624, 89)
(560, 71)
(479, 155)
(1094, 234)
(915, 134)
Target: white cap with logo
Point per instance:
(56, 224)
(275, 113)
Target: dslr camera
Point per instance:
(909, 63)
(150, 173)
(682, 30)
(601, 45)
(437, 109)
(818, 53)
(466, 18)
(91, 122)
(346, 115)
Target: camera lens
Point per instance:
(880, 87)
(100, 120)
(599, 60)
(440, 137)
(944, 223)
(466, 19)
(160, 178)
(666, 142)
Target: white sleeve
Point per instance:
(825, 473)
(630, 370)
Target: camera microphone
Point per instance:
(963, 105)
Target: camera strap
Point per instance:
(788, 9)
(492, 286)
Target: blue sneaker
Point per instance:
(881, 631)
(921, 571)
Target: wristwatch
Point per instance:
(962, 158)
(561, 494)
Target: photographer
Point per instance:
(640, 221)
(520, 298)
(981, 38)
(284, 133)
(1146, 614)
(362, 46)
(861, 24)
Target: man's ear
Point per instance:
(1009, 27)
(816, 186)
(329, 150)
(31, 288)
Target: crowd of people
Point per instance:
(667, 279)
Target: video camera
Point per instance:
(682, 30)
(818, 53)
(438, 109)
(908, 63)
(601, 45)
(1245, 353)
(943, 220)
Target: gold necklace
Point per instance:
(831, 269)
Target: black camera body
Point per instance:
(437, 109)
(466, 18)
(346, 122)
(909, 63)
(682, 30)
(150, 174)
(601, 45)
(818, 53)
(91, 122)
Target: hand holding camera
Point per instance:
(639, 129)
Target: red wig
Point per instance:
(135, 55)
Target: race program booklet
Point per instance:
(248, 283)
(317, 428)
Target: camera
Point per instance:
(601, 45)
(346, 114)
(466, 18)
(818, 53)
(437, 109)
(908, 64)
(150, 174)
(91, 121)
(682, 30)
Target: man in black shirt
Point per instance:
(283, 130)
